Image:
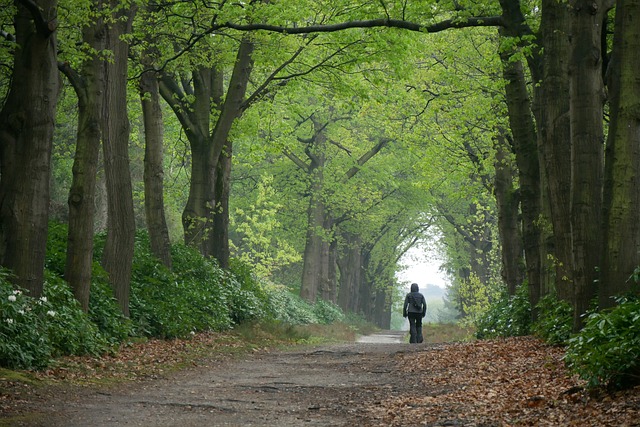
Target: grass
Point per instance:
(446, 332)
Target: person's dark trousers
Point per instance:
(415, 327)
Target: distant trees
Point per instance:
(561, 113)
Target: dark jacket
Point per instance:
(414, 302)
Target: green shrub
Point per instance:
(289, 308)
(555, 320)
(606, 352)
(508, 317)
(167, 304)
(70, 330)
(104, 310)
(327, 312)
(24, 342)
(249, 300)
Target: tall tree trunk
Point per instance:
(508, 203)
(26, 135)
(207, 198)
(382, 307)
(153, 168)
(622, 167)
(526, 151)
(328, 284)
(89, 87)
(220, 243)
(117, 258)
(350, 267)
(554, 137)
(586, 100)
(312, 257)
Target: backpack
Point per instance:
(416, 301)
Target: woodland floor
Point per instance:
(378, 382)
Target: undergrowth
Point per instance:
(195, 296)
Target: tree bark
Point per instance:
(622, 167)
(26, 137)
(153, 168)
(350, 267)
(117, 258)
(586, 114)
(312, 259)
(220, 243)
(526, 151)
(89, 87)
(554, 137)
(508, 203)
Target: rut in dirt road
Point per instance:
(320, 386)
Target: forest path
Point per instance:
(314, 386)
(378, 381)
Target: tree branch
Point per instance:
(297, 160)
(365, 158)
(479, 21)
(45, 28)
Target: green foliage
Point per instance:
(194, 297)
(289, 308)
(258, 227)
(24, 342)
(477, 299)
(104, 311)
(606, 352)
(56, 257)
(507, 317)
(251, 300)
(555, 319)
(70, 330)
(32, 331)
(327, 312)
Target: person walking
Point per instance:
(415, 308)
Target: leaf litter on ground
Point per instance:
(506, 382)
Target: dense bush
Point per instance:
(606, 352)
(555, 320)
(70, 330)
(509, 316)
(32, 331)
(327, 312)
(250, 300)
(196, 295)
(24, 342)
(289, 308)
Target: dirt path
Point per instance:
(319, 386)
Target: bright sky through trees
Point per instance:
(422, 266)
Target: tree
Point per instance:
(26, 133)
(89, 85)
(153, 160)
(586, 100)
(622, 168)
(117, 257)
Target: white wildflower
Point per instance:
(9, 321)
(51, 313)
(17, 292)
(43, 299)
(12, 298)
(21, 311)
